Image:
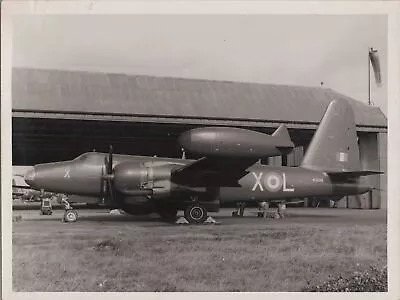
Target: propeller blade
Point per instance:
(106, 186)
(110, 190)
(103, 185)
(110, 161)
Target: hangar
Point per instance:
(58, 114)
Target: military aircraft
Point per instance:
(229, 171)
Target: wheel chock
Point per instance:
(181, 220)
(211, 220)
(115, 212)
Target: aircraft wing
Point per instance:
(213, 172)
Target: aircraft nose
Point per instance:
(30, 176)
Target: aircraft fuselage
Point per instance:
(84, 176)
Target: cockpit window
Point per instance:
(82, 157)
(89, 157)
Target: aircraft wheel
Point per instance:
(70, 216)
(196, 213)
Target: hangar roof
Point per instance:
(85, 93)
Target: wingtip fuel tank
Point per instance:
(236, 142)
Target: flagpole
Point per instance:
(369, 78)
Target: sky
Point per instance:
(278, 49)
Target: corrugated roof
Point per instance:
(58, 90)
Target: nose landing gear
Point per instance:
(70, 214)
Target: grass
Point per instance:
(252, 257)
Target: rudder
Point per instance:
(334, 146)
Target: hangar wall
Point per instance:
(370, 157)
(382, 138)
(373, 156)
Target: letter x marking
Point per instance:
(258, 182)
(66, 175)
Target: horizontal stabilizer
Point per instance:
(353, 174)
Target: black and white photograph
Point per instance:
(197, 152)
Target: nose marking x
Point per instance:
(66, 175)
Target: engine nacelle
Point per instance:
(144, 179)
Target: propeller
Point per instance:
(109, 161)
(107, 185)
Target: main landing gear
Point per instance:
(195, 213)
(239, 211)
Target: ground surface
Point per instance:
(103, 252)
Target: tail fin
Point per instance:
(334, 147)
